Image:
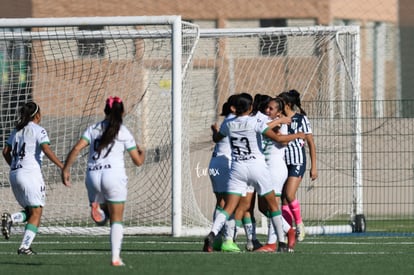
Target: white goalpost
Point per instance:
(174, 77)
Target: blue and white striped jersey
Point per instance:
(295, 151)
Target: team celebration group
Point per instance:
(260, 149)
(259, 153)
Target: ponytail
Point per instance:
(292, 98)
(114, 110)
(26, 114)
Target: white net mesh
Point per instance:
(70, 71)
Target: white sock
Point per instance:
(271, 234)
(278, 226)
(218, 223)
(117, 234)
(18, 217)
(216, 212)
(29, 236)
(248, 229)
(230, 229)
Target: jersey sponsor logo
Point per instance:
(99, 167)
(243, 158)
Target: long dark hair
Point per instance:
(260, 103)
(226, 108)
(26, 114)
(242, 103)
(114, 109)
(280, 104)
(292, 98)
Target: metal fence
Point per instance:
(386, 168)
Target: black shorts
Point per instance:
(296, 170)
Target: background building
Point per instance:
(385, 54)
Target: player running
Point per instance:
(24, 152)
(106, 179)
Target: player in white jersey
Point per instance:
(274, 152)
(24, 152)
(248, 201)
(219, 172)
(295, 156)
(248, 166)
(106, 179)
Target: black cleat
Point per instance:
(282, 248)
(208, 242)
(6, 223)
(26, 251)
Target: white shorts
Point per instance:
(249, 173)
(106, 185)
(278, 174)
(219, 172)
(28, 187)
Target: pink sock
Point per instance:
(295, 208)
(287, 214)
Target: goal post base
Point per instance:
(359, 224)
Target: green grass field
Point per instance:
(346, 254)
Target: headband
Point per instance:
(36, 110)
(111, 100)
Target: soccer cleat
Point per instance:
(269, 247)
(6, 223)
(229, 246)
(300, 231)
(291, 236)
(282, 248)
(208, 242)
(25, 251)
(256, 244)
(97, 214)
(117, 263)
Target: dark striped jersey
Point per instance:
(295, 150)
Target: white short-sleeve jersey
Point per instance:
(248, 166)
(113, 154)
(275, 159)
(106, 178)
(245, 135)
(26, 146)
(25, 176)
(219, 166)
(222, 148)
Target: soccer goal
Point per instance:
(174, 77)
(69, 66)
(322, 63)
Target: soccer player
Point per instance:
(24, 152)
(248, 166)
(106, 179)
(248, 201)
(295, 157)
(219, 171)
(275, 159)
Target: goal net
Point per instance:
(322, 63)
(69, 66)
(174, 77)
